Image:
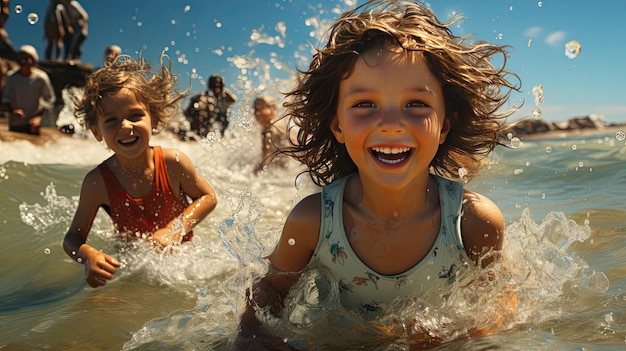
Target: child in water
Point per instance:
(150, 192)
(266, 113)
(390, 111)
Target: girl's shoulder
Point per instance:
(482, 225)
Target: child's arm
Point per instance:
(99, 267)
(482, 227)
(290, 256)
(483, 236)
(184, 176)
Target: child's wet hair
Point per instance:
(471, 85)
(154, 90)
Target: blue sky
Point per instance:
(254, 44)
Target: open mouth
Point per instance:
(127, 141)
(391, 155)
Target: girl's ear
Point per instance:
(95, 132)
(336, 129)
(445, 129)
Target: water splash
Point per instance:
(58, 211)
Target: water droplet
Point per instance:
(572, 49)
(33, 18)
(291, 241)
(580, 164)
(515, 142)
(538, 91)
(395, 213)
(548, 149)
(186, 9)
(462, 172)
(620, 135)
(79, 260)
(537, 113)
(46, 251)
(509, 136)
(574, 147)
(540, 3)
(211, 137)
(529, 42)
(518, 171)
(18, 8)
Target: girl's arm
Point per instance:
(185, 177)
(482, 227)
(99, 267)
(289, 258)
(483, 236)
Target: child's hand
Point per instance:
(99, 267)
(166, 236)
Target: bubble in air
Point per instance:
(620, 135)
(462, 172)
(572, 49)
(18, 8)
(291, 241)
(515, 142)
(33, 18)
(538, 91)
(46, 251)
(536, 113)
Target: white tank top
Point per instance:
(363, 289)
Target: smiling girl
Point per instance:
(149, 192)
(390, 112)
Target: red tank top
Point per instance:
(136, 216)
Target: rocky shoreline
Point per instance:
(586, 125)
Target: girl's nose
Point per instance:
(391, 121)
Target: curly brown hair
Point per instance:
(472, 87)
(156, 91)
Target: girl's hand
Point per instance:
(99, 267)
(166, 236)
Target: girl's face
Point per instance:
(263, 113)
(124, 124)
(391, 116)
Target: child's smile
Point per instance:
(391, 116)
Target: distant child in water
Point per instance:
(266, 114)
(150, 192)
(390, 112)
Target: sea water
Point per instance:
(563, 259)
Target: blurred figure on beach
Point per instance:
(209, 111)
(272, 135)
(27, 93)
(6, 47)
(76, 30)
(54, 29)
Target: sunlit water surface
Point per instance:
(564, 257)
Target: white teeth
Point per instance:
(391, 162)
(391, 151)
(128, 140)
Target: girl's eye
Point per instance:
(364, 104)
(136, 117)
(417, 104)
